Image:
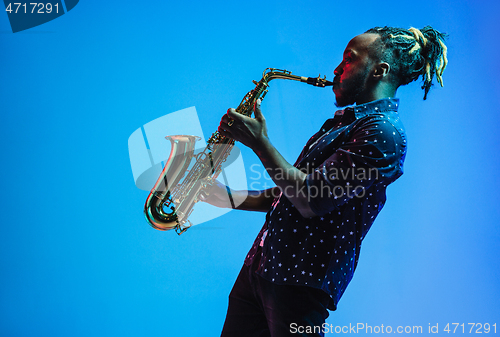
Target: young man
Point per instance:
(323, 206)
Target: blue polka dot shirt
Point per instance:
(349, 163)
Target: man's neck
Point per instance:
(379, 92)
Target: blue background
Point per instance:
(76, 255)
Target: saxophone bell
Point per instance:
(160, 209)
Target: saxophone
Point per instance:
(170, 203)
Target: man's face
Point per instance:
(352, 74)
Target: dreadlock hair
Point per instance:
(411, 53)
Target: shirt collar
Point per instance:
(377, 106)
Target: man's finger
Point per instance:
(225, 118)
(224, 133)
(235, 115)
(256, 110)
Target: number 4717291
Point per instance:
(474, 328)
(42, 8)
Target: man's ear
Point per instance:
(381, 70)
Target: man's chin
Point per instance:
(340, 103)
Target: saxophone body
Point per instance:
(170, 202)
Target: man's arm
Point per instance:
(222, 196)
(260, 201)
(374, 153)
(252, 132)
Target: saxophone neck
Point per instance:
(273, 73)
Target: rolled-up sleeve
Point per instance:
(372, 153)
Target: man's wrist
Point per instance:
(262, 145)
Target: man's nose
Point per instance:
(338, 70)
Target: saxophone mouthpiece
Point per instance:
(327, 83)
(317, 81)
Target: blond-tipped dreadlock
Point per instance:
(411, 53)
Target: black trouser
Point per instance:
(258, 307)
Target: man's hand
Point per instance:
(246, 130)
(252, 132)
(220, 196)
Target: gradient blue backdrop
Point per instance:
(76, 255)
